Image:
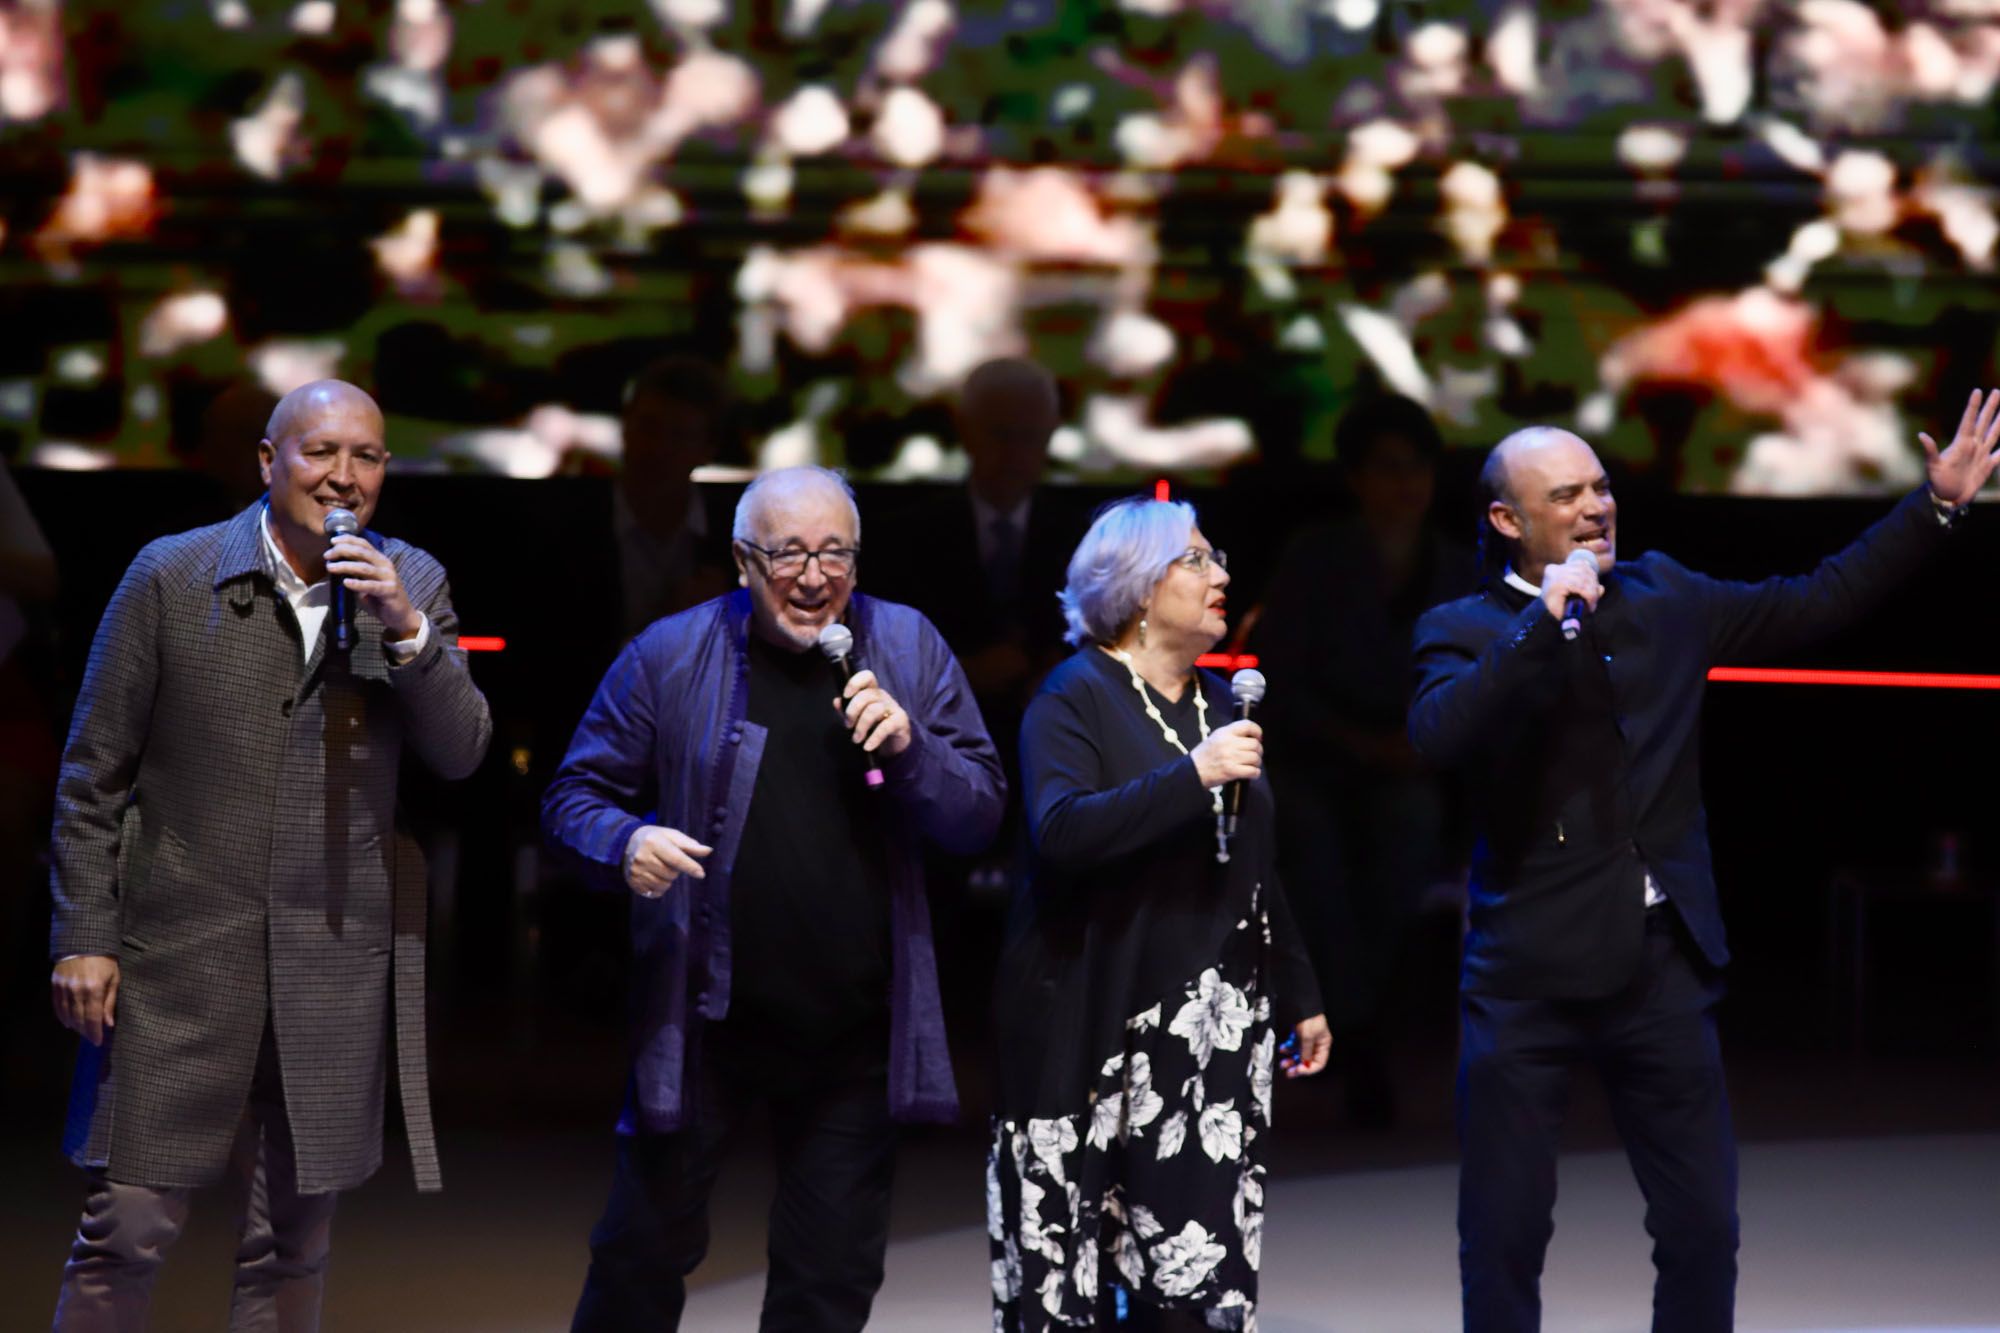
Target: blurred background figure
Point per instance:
(28, 745)
(984, 562)
(225, 449)
(1362, 827)
(653, 554)
(676, 418)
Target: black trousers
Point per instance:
(1654, 1046)
(829, 1227)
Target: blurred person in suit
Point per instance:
(29, 746)
(1362, 827)
(985, 561)
(677, 417)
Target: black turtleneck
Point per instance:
(809, 898)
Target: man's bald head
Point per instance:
(308, 401)
(1493, 477)
(1546, 496)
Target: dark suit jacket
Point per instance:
(1584, 757)
(929, 559)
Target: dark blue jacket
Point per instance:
(1584, 757)
(666, 741)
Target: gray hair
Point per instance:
(1130, 545)
(783, 478)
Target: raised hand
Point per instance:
(1234, 753)
(875, 719)
(1962, 467)
(372, 576)
(1572, 578)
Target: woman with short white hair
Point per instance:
(1150, 962)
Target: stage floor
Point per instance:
(1870, 1201)
(1846, 1234)
(1878, 1235)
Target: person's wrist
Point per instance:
(632, 849)
(1948, 511)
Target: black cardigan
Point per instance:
(1584, 757)
(1126, 902)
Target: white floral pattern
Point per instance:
(1182, 1263)
(1172, 1135)
(1249, 1213)
(1214, 1018)
(1111, 1194)
(1260, 1073)
(1221, 1130)
(1142, 1104)
(1051, 1140)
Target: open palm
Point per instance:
(1958, 471)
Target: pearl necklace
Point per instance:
(1173, 738)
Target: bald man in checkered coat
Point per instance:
(238, 927)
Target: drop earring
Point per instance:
(1142, 631)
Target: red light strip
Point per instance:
(1909, 680)
(1162, 491)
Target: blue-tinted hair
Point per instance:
(1130, 545)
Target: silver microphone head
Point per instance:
(836, 641)
(1247, 686)
(340, 523)
(1581, 556)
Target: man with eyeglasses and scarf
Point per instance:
(782, 944)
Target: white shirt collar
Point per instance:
(288, 580)
(1519, 584)
(986, 513)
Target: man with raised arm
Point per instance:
(1596, 937)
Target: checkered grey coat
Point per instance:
(225, 827)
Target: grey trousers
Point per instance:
(281, 1255)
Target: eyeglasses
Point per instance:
(836, 562)
(1198, 560)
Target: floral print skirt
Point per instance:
(1156, 1185)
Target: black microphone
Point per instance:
(1247, 688)
(342, 523)
(837, 642)
(1575, 608)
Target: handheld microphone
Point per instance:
(1247, 688)
(1574, 609)
(342, 523)
(837, 642)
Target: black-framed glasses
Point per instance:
(1198, 560)
(836, 562)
